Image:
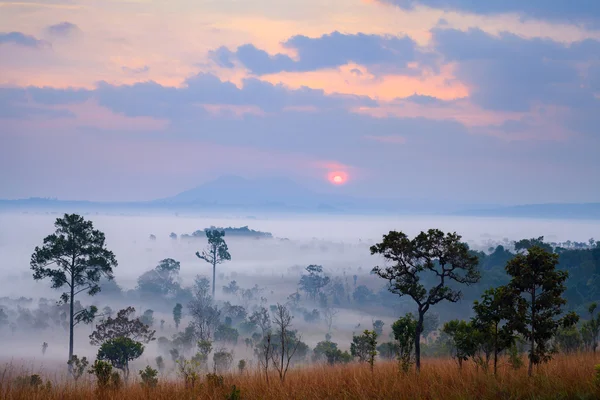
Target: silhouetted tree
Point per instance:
(442, 256)
(122, 326)
(177, 310)
(314, 281)
(540, 287)
(216, 253)
(79, 255)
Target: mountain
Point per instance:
(549, 210)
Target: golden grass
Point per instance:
(565, 377)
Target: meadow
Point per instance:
(564, 377)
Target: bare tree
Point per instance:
(330, 314)
(287, 343)
(264, 358)
(261, 318)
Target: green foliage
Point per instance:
(161, 281)
(540, 287)
(431, 255)
(590, 329)
(75, 257)
(235, 394)
(404, 331)
(568, 339)
(102, 370)
(77, 366)
(33, 382)
(149, 377)
(491, 316)
(364, 347)
(462, 339)
(514, 357)
(177, 311)
(217, 252)
(189, 370)
(119, 352)
(329, 352)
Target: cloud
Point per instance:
(63, 29)
(152, 99)
(22, 39)
(508, 72)
(570, 11)
(328, 51)
(135, 71)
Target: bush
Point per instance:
(149, 377)
(214, 380)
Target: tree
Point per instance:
(78, 366)
(404, 332)
(378, 327)
(287, 344)
(433, 255)
(177, 314)
(119, 352)
(540, 286)
(216, 252)
(495, 308)
(162, 280)
(122, 326)
(205, 316)
(463, 340)
(591, 329)
(314, 282)
(80, 257)
(364, 347)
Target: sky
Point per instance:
(472, 101)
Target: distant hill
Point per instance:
(551, 210)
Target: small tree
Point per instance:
(149, 377)
(119, 352)
(177, 311)
(462, 339)
(378, 327)
(80, 257)
(364, 347)
(494, 309)
(216, 253)
(590, 329)
(222, 361)
(160, 364)
(44, 348)
(314, 282)
(540, 287)
(287, 345)
(102, 370)
(404, 332)
(77, 366)
(442, 257)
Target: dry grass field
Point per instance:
(565, 377)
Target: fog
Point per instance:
(340, 244)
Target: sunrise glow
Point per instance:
(337, 177)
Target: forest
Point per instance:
(519, 311)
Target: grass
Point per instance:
(565, 377)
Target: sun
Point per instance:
(337, 177)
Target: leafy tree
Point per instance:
(441, 256)
(177, 311)
(147, 317)
(222, 360)
(540, 287)
(365, 347)
(378, 327)
(216, 252)
(173, 236)
(231, 288)
(205, 315)
(495, 308)
(160, 363)
(162, 280)
(314, 282)
(329, 351)
(362, 294)
(103, 372)
(226, 334)
(568, 339)
(80, 258)
(119, 352)
(463, 340)
(525, 244)
(404, 332)
(122, 326)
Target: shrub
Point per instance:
(149, 377)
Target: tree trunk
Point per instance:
(418, 332)
(532, 349)
(214, 274)
(71, 322)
